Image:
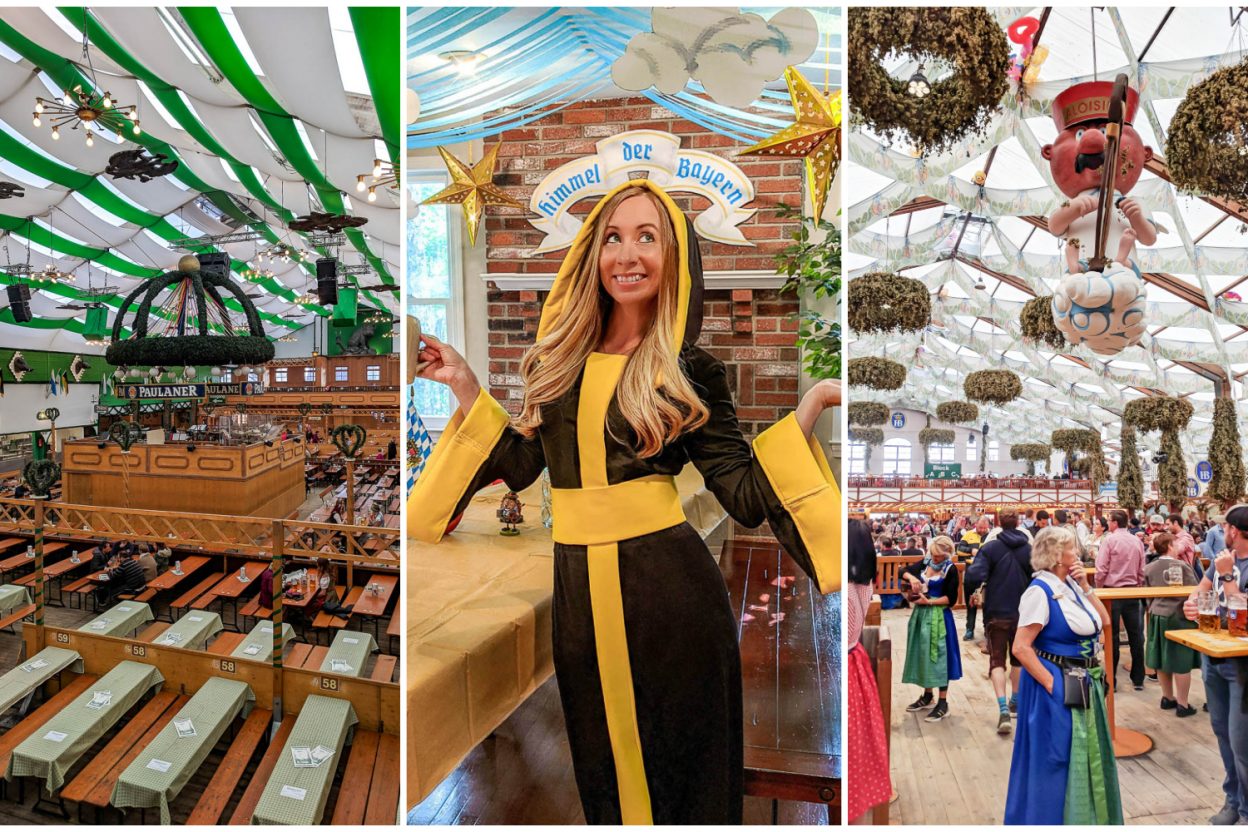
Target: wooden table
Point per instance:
(1219, 645)
(372, 605)
(301, 602)
(231, 587)
(169, 579)
(790, 676)
(19, 560)
(1127, 741)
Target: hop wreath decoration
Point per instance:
(935, 436)
(934, 115)
(871, 437)
(887, 302)
(1130, 478)
(1207, 149)
(1074, 441)
(876, 373)
(957, 413)
(992, 386)
(1031, 453)
(867, 413)
(1037, 323)
(1164, 413)
(1226, 456)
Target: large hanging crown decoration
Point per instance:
(192, 325)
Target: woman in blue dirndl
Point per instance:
(933, 658)
(1063, 770)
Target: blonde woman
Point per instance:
(1063, 769)
(617, 400)
(932, 656)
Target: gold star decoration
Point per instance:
(473, 188)
(815, 136)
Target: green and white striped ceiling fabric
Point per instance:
(272, 126)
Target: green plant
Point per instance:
(1072, 442)
(876, 373)
(1226, 456)
(1031, 453)
(811, 266)
(1172, 474)
(1164, 413)
(1130, 478)
(867, 413)
(1036, 320)
(1207, 145)
(887, 302)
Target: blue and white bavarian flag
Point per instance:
(419, 443)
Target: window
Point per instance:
(897, 457)
(309, 375)
(857, 457)
(341, 374)
(972, 453)
(433, 287)
(994, 450)
(279, 375)
(941, 453)
(373, 372)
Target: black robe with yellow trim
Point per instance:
(645, 643)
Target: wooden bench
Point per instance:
(80, 588)
(260, 777)
(16, 616)
(329, 621)
(253, 610)
(316, 657)
(189, 597)
(152, 631)
(369, 793)
(36, 719)
(216, 796)
(394, 628)
(879, 646)
(383, 668)
(226, 643)
(94, 784)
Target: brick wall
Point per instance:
(752, 331)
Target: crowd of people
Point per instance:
(130, 567)
(1034, 575)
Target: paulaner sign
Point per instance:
(186, 391)
(659, 157)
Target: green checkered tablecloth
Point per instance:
(53, 749)
(158, 774)
(296, 795)
(122, 620)
(29, 675)
(258, 646)
(348, 654)
(13, 596)
(191, 631)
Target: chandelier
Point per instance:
(283, 252)
(86, 108)
(384, 176)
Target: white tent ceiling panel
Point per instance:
(37, 24)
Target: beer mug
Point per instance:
(1174, 576)
(1237, 616)
(1207, 611)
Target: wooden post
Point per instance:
(279, 642)
(350, 491)
(40, 508)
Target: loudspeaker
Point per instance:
(327, 281)
(215, 263)
(19, 302)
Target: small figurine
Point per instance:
(509, 513)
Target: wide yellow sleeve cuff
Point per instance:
(451, 468)
(802, 479)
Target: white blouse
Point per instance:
(1080, 614)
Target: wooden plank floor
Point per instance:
(956, 771)
(522, 774)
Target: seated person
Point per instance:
(99, 558)
(266, 588)
(127, 578)
(148, 563)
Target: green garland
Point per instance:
(936, 436)
(957, 413)
(1130, 478)
(997, 387)
(41, 475)
(1164, 413)
(968, 39)
(871, 437)
(1031, 453)
(1037, 323)
(876, 373)
(1226, 456)
(1207, 145)
(1073, 441)
(867, 413)
(887, 302)
(194, 350)
(1172, 474)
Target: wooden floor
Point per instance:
(522, 774)
(956, 771)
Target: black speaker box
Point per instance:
(214, 262)
(327, 281)
(19, 302)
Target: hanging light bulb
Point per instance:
(376, 168)
(36, 120)
(136, 128)
(69, 102)
(38, 105)
(133, 115)
(359, 181)
(372, 194)
(56, 133)
(90, 139)
(919, 86)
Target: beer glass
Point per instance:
(1207, 611)
(1237, 616)
(1174, 576)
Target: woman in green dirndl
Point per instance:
(932, 656)
(1173, 661)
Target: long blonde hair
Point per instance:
(654, 396)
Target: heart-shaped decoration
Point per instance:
(349, 439)
(208, 408)
(124, 434)
(51, 414)
(41, 475)
(326, 407)
(304, 409)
